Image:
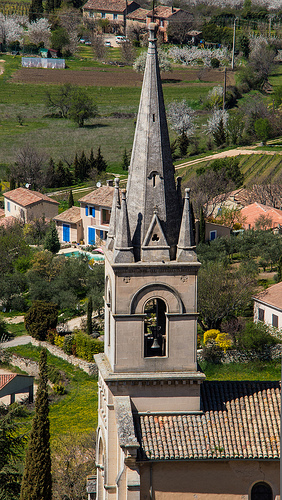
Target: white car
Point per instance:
(107, 43)
(120, 39)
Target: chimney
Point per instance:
(172, 9)
(110, 182)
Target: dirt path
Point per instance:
(2, 61)
(224, 154)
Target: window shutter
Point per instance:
(86, 210)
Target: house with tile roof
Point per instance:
(164, 432)
(113, 10)
(69, 225)
(137, 18)
(12, 384)
(164, 15)
(95, 211)
(253, 212)
(268, 306)
(27, 205)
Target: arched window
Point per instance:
(155, 328)
(261, 491)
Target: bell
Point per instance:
(155, 344)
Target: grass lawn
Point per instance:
(75, 412)
(254, 370)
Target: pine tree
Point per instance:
(202, 227)
(50, 174)
(91, 161)
(12, 183)
(83, 166)
(76, 169)
(37, 479)
(89, 315)
(183, 143)
(70, 200)
(52, 242)
(125, 161)
(101, 164)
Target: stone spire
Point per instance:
(151, 177)
(186, 243)
(114, 216)
(123, 250)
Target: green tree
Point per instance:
(35, 10)
(81, 107)
(202, 227)
(70, 200)
(59, 38)
(223, 294)
(262, 129)
(183, 143)
(41, 317)
(52, 242)
(37, 479)
(89, 316)
(101, 164)
(244, 44)
(12, 446)
(125, 161)
(12, 183)
(279, 270)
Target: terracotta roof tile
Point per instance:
(107, 5)
(25, 197)
(271, 296)
(139, 14)
(164, 11)
(103, 196)
(6, 378)
(240, 420)
(71, 215)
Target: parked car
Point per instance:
(87, 42)
(120, 39)
(107, 43)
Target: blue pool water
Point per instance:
(90, 256)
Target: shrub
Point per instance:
(41, 317)
(68, 344)
(86, 347)
(59, 389)
(58, 340)
(54, 375)
(212, 353)
(215, 62)
(210, 335)
(256, 340)
(50, 336)
(223, 341)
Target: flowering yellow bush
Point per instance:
(59, 341)
(210, 335)
(223, 341)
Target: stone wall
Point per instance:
(87, 367)
(26, 365)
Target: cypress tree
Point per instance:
(37, 479)
(125, 161)
(76, 169)
(279, 270)
(183, 143)
(101, 164)
(89, 315)
(70, 200)
(52, 242)
(202, 227)
(12, 184)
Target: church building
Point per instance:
(164, 433)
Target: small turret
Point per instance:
(123, 250)
(186, 243)
(114, 216)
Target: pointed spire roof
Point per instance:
(151, 176)
(123, 250)
(114, 216)
(186, 243)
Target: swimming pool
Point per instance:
(90, 256)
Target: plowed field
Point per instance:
(113, 77)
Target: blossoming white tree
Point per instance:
(140, 61)
(39, 31)
(181, 117)
(190, 56)
(217, 126)
(10, 29)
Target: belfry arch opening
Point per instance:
(155, 328)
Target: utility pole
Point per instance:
(234, 40)
(224, 90)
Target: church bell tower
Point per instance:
(150, 357)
